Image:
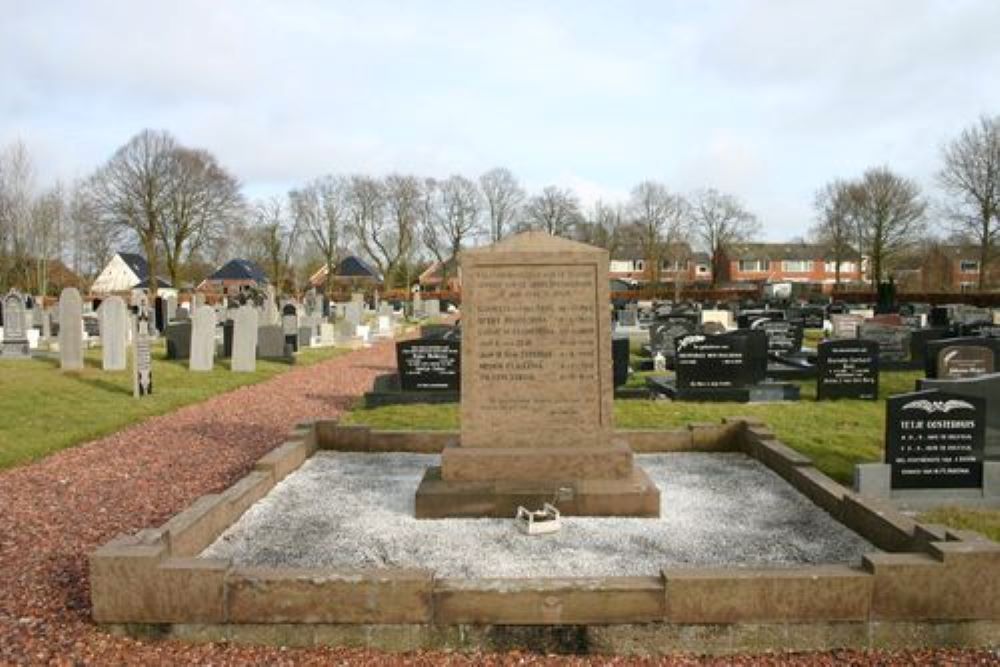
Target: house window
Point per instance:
(969, 266)
(702, 268)
(640, 265)
(845, 267)
(753, 265)
(671, 265)
(797, 266)
(620, 266)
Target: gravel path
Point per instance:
(54, 512)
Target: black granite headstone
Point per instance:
(934, 348)
(620, 358)
(935, 440)
(429, 364)
(847, 369)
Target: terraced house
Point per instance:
(808, 263)
(630, 264)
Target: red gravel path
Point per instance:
(54, 512)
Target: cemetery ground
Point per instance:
(46, 410)
(836, 435)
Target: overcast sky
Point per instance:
(767, 100)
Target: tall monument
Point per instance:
(536, 402)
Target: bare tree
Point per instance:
(660, 222)
(132, 190)
(603, 227)
(404, 196)
(94, 239)
(503, 196)
(890, 213)
(275, 238)
(17, 177)
(455, 205)
(971, 178)
(202, 198)
(720, 220)
(836, 209)
(46, 237)
(322, 209)
(555, 210)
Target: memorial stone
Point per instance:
(845, 326)
(783, 338)
(432, 308)
(114, 334)
(893, 340)
(178, 335)
(847, 369)
(15, 329)
(960, 361)
(70, 330)
(935, 440)
(429, 364)
(536, 389)
(244, 354)
(202, 339)
(935, 348)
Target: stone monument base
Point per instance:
(634, 495)
(765, 392)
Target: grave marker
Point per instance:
(847, 369)
(114, 334)
(70, 330)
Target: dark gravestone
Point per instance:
(178, 335)
(160, 314)
(746, 318)
(959, 361)
(730, 360)
(847, 369)
(91, 325)
(986, 387)
(663, 335)
(432, 364)
(918, 343)
(935, 347)
(619, 359)
(935, 440)
(813, 317)
(940, 316)
(783, 338)
(893, 341)
(228, 328)
(982, 328)
(290, 325)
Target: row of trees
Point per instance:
(186, 213)
(881, 215)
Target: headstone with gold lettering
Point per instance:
(536, 390)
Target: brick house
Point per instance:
(628, 263)
(807, 263)
(351, 272)
(936, 267)
(233, 276)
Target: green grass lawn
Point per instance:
(834, 434)
(45, 410)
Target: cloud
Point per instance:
(767, 100)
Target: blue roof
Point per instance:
(353, 266)
(140, 267)
(239, 269)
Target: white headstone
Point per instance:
(70, 330)
(202, 339)
(270, 314)
(245, 323)
(114, 328)
(15, 329)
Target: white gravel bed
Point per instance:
(356, 510)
